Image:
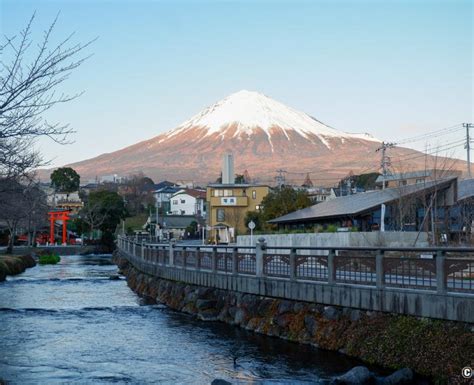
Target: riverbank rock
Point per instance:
(15, 264)
(358, 375)
(400, 377)
(389, 340)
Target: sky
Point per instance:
(394, 69)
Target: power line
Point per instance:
(437, 150)
(434, 134)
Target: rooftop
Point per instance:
(418, 174)
(358, 203)
(238, 185)
(193, 192)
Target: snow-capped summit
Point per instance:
(245, 111)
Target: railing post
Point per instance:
(214, 259)
(134, 249)
(331, 267)
(198, 258)
(171, 252)
(143, 249)
(185, 256)
(379, 275)
(293, 264)
(440, 272)
(261, 246)
(235, 261)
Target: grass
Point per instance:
(49, 259)
(136, 222)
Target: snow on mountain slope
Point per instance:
(246, 111)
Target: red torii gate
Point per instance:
(54, 216)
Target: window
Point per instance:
(175, 201)
(222, 193)
(254, 194)
(220, 217)
(420, 180)
(183, 201)
(402, 182)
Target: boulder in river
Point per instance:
(400, 377)
(219, 381)
(358, 375)
(114, 277)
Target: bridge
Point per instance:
(433, 282)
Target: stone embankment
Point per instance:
(15, 264)
(437, 349)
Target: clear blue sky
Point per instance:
(390, 68)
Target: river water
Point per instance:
(69, 323)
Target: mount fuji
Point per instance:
(263, 134)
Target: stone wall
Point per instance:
(438, 349)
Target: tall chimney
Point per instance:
(228, 176)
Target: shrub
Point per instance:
(49, 259)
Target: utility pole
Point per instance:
(280, 178)
(385, 164)
(468, 147)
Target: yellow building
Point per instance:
(227, 206)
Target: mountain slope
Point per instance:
(263, 134)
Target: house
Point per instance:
(174, 226)
(228, 203)
(188, 202)
(408, 208)
(163, 196)
(89, 187)
(163, 184)
(414, 177)
(62, 201)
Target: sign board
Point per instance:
(426, 256)
(251, 225)
(228, 201)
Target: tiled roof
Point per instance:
(194, 193)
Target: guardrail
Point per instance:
(440, 270)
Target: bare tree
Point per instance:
(93, 215)
(235, 218)
(12, 208)
(29, 79)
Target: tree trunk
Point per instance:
(11, 238)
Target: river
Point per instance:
(69, 323)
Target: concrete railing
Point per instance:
(431, 282)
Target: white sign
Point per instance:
(251, 225)
(426, 256)
(228, 201)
